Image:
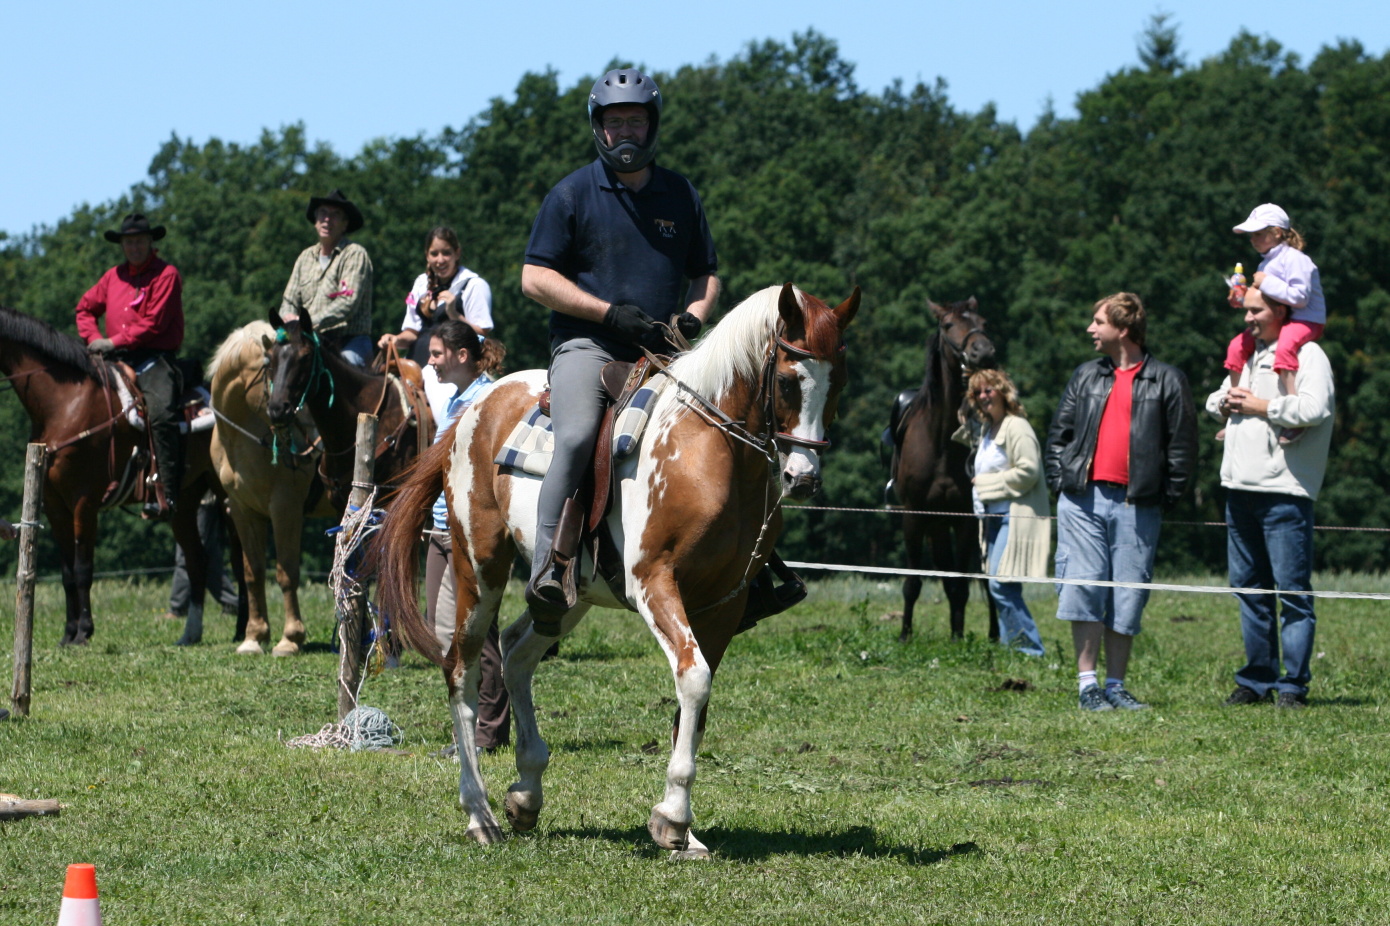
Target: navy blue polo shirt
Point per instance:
(641, 248)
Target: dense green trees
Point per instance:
(808, 178)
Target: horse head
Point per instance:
(293, 362)
(962, 332)
(806, 374)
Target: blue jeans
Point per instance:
(358, 351)
(1270, 545)
(1016, 627)
(1101, 536)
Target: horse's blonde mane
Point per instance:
(230, 349)
(734, 349)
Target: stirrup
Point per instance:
(766, 597)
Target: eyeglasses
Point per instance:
(637, 122)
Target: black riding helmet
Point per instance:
(625, 86)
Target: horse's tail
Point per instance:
(396, 551)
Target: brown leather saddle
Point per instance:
(390, 362)
(582, 522)
(137, 480)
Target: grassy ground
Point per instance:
(844, 778)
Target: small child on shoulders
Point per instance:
(1285, 275)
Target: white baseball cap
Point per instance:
(1263, 216)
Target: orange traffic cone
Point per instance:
(80, 905)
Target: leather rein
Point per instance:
(769, 438)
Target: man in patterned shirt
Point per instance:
(332, 280)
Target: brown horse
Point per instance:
(76, 409)
(307, 374)
(695, 515)
(929, 469)
(268, 487)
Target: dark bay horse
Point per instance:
(75, 409)
(741, 424)
(305, 373)
(929, 469)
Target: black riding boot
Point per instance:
(161, 383)
(553, 589)
(766, 597)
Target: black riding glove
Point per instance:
(632, 324)
(689, 325)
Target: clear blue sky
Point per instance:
(93, 89)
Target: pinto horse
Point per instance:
(695, 515)
(76, 409)
(929, 469)
(268, 486)
(306, 373)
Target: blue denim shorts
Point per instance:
(1101, 536)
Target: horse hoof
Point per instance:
(250, 648)
(905, 636)
(667, 833)
(485, 835)
(521, 819)
(694, 853)
(187, 640)
(285, 648)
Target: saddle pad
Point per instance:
(531, 444)
(627, 430)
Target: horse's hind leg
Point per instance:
(473, 606)
(914, 528)
(522, 650)
(190, 540)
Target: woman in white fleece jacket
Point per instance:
(1010, 491)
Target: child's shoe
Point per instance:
(1291, 435)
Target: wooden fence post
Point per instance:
(34, 465)
(350, 628)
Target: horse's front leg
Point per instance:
(522, 651)
(946, 556)
(660, 605)
(251, 527)
(76, 595)
(287, 523)
(914, 529)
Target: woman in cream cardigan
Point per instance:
(1009, 489)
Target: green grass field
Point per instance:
(843, 778)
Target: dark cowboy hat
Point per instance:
(136, 224)
(336, 198)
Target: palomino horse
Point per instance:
(75, 409)
(308, 374)
(263, 491)
(695, 515)
(929, 469)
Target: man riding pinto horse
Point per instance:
(616, 248)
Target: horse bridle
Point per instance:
(769, 382)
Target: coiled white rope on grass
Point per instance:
(363, 728)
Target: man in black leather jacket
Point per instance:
(1122, 444)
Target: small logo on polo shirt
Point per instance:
(666, 227)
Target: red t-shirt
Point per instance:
(1111, 462)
